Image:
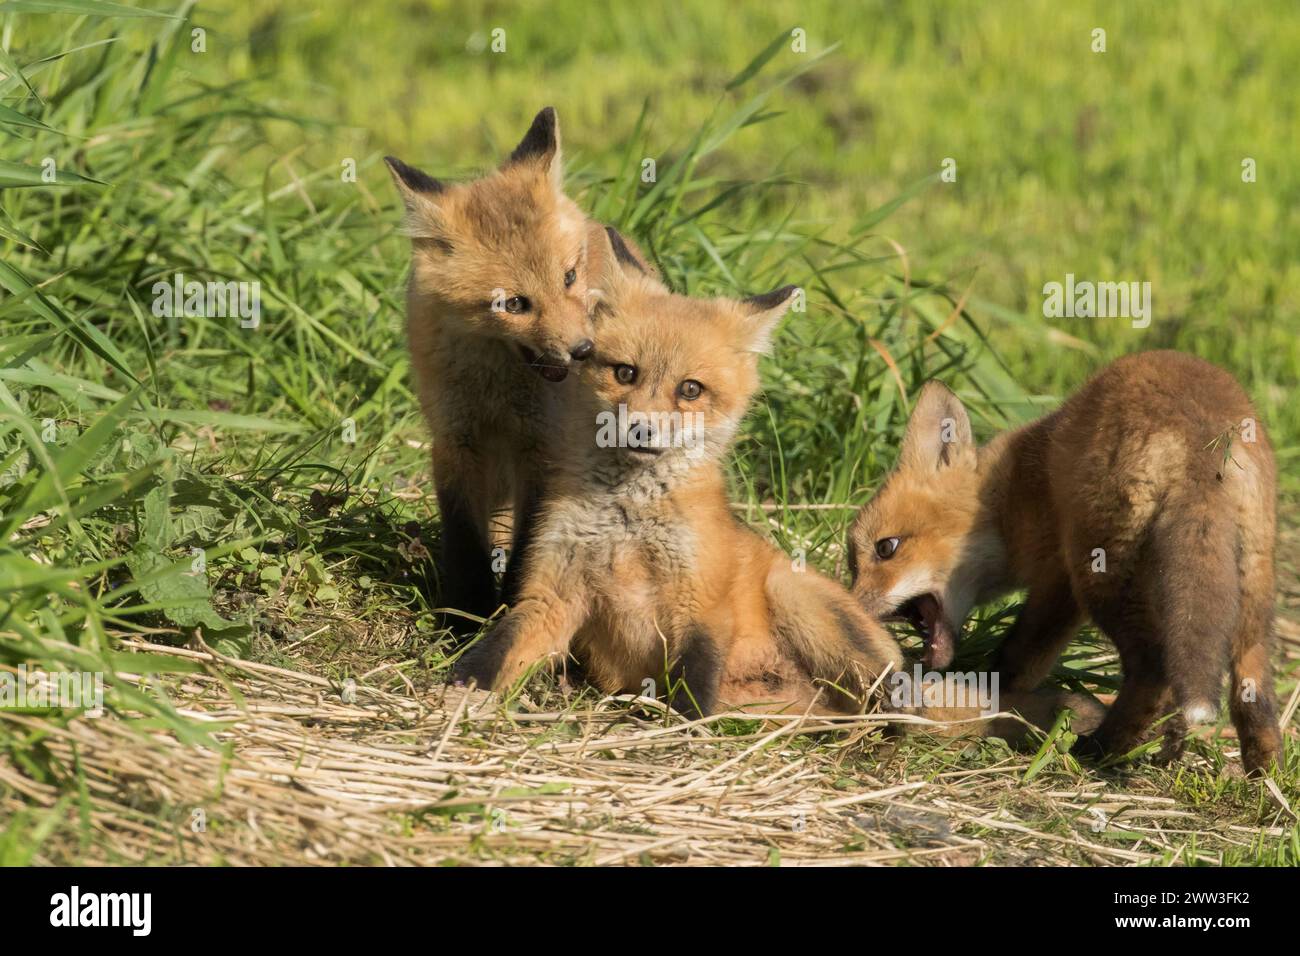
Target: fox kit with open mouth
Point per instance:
(1146, 503)
(638, 565)
(498, 310)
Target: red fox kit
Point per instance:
(1146, 503)
(497, 310)
(637, 564)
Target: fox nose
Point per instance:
(581, 350)
(642, 436)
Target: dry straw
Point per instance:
(454, 776)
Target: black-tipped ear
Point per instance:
(541, 140)
(541, 145)
(764, 312)
(419, 192)
(770, 300)
(408, 178)
(616, 265)
(622, 253)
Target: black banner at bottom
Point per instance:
(332, 905)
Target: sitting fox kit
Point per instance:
(637, 565)
(1146, 503)
(498, 308)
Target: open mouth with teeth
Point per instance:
(925, 613)
(547, 366)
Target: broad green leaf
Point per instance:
(15, 118)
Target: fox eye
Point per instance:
(886, 547)
(517, 304)
(626, 374)
(690, 389)
(570, 277)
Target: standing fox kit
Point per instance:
(1146, 503)
(497, 310)
(637, 564)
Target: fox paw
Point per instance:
(1088, 747)
(1260, 761)
(475, 666)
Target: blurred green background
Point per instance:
(1113, 166)
(1122, 165)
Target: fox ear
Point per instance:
(419, 192)
(763, 312)
(411, 182)
(938, 432)
(614, 264)
(623, 254)
(610, 264)
(541, 144)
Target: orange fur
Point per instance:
(638, 566)
(498, 307)
(1142, 503)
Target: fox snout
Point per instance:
(553, 363)
(644, 437)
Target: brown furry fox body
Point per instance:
(1146, 503)
(498, 307)
(637, 564)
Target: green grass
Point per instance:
(1117, 165)
(176, 434)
